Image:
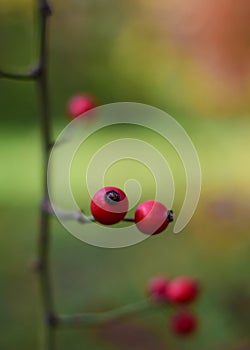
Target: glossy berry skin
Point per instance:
(109, 205)
(156, 289)
(182, 290)
(152, 217)
(183, 322)
(80, 104)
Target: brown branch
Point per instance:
(44, 230)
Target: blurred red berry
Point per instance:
(183, 322)
(109, 205)
(80, 104)
(156, 288)
(182, 290)
(152, 217)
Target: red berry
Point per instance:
(156, 288)
(182, 290)
(109, 205)
(183, 322)
(152, 217)
(80, 104)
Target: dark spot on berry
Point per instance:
(170, 215)
(112, 197)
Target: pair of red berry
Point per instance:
(109, 206)
(178, 291)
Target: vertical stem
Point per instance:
(44, 11)
(44, 232)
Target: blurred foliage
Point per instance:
(189, 58)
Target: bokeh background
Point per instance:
(190, 58)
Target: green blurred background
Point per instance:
(187, 57)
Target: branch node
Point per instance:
(50, 146)
(36, 71)
(37, 266)
(45, 8)
(52, 320)
(46, 206)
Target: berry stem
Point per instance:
(95, 319)
(66, 215)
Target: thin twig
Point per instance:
(69, 215)
(29, 76)
(98, 318)
(66, 215)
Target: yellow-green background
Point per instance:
(113, 50)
